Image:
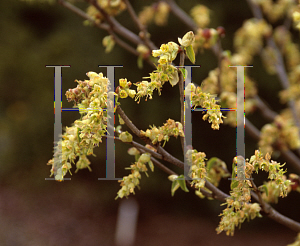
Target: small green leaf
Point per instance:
(175, 186)
(190, 53)
(184, 72)
(181, 181)
(150, 163)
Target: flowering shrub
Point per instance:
(256, 37)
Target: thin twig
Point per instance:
(275, 215)
(82, 14)
(143, 31)
(103, 26)
(265, 110)
(181, 94)
(177, 11)
(220, 58)
(166, 155)
(116, 26)
(260, 199)
(217, 195)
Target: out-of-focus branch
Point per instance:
(265, 110)
(177, 11)
(143, 31)
(290, 157)
(103, 26)
(280, 68)
(116, 26)
(82, 14)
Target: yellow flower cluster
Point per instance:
(283, 131)
(170, 128)
(158, 13)
(158, 78)
(275, 10)
(167, 53)
(248, 40)
(123, 90)
(90, 96)
(207, 101)
(275, 170)
(111, 7)
(131, 181)
(235, 214)
(197, 169)
(200, 14)
(206, 38)
(238, 204)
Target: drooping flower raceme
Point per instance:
(91, 97)
(207, 101)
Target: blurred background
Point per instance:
(83, 211)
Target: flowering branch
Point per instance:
(286, 153)
(165, 155)
(103, 26)
(279, 64)
(116, 26)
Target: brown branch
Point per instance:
(181, 94)
(180, 14)
(82, 14)
(216, 193)
(265, 110)
(116, 26)
(143, 30)
(143, 149)
(272, 213)
(259, 198)
(165, 155)
(103, 26)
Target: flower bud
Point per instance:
(187, 39)
(206, 33)
(133, 151)
(125, 137)
(173, 177)
(145, 157)
(131, 93)
(156, 53)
